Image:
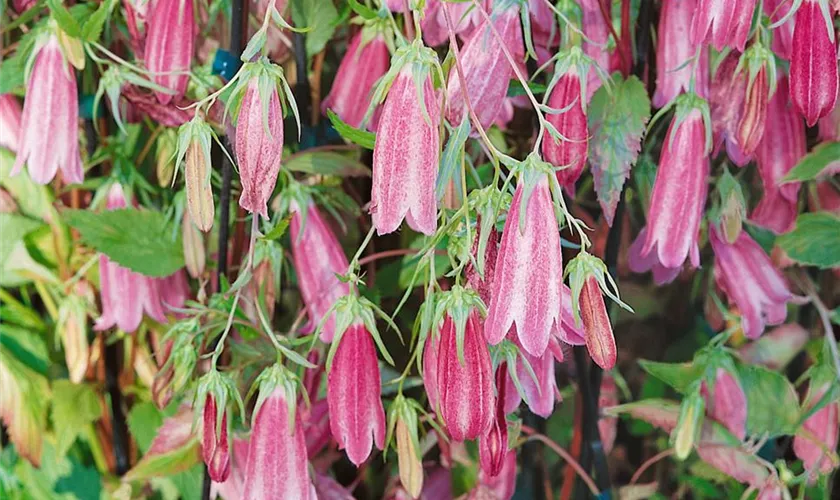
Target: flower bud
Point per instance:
(194, 153)
(165, 149)
(689, 425)
(170, 39)
(569, 153)
(813, 63)
(72, 327)
(493, 446)
(761, 85)
(408, 456)
(600, 341)
(193, 243)
(215, 449)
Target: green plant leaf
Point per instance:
(812, 164)
(14, 229)
(677, 375)
(320, 17)
(174, 449)
(326, 163)
(75, 406)
(144, 419)
(279, 229)
(772, 403)
(65, 20)
(92, 29)
(616, 123)
(137, 239)
(815, 241)
(356, 136)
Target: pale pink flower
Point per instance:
(674, 53)
(170, 41)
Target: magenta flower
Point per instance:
(500, 486)
(318, 258)
(650, 262)
(405, 158)
(597, 329)
(259, 143)
(528, 272)
(679, 192)
(782, 35)
(215, 449)
(486, 69)
(747, 276)
(608, 426)
(493, 446)
(357, 419)
(234, 485)
(813, 63)
(465, 385)
(726, 402)
(10, 122)
(170, 40)
(781, 148)
(277, 461)
(540, 394)
(431, 351)
(754, 117)
(674, 52)
(728, 93)
(824, 426)
(571, 124)
(22, 6)
(365, 61)
(597, 33)
(722, 23)
(49, 131)
(830, 125)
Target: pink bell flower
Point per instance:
(747, 276)
(234, 485)
(608, 426)
(813, 63)
(465, 386)
(10, 121)
(528, 272)
(726, 402)
(722, 23)
(728, 93)
(781, 148)
(830, 125)
(215, 449)
(405, 158)
(49, 131)
(570, 153)
(500, 486)
(540, 392)
(597, 33)
(674, 52)
(357, 419)
(259, 144)
(170, 41)
(782, 35)
(650, 262)
(318, 258)
(824, 425)
(365, 61)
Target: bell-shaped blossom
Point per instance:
(824, 427)
(674, 53)
(813, 63)
(528, 272)
(500, 486)
(726, 402)
(10, 121)
(570, 151)
(781, 148)
(728, 93)
(650, 262)
(465, 385)
(259, 144)
(357, 419)
(365, 61)
(431, 351)
(277, 461)
(722, 23)
(170, 41)
(597, 329)
(540, 389)
(215, 449)
(316, 427)
(679, 193)
(277, 43)
(597, 36)
(747, 276)
(234, 485)
(782, 35)
(830, 125)
(544, 29)
(405, 158)
(486, 70)
(49, 130)
(608, 426)
(318, 259)
(493, 445)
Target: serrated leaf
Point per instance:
(815, 241)
(279, 229)
(772, 403)
(75, 406)
(137, 239)
(92, 29)
(65, 20)
(320, 17)
(174, 449)
(677, 375)
(812, 164)
(326, 163)
(616, 123)
(356, 136)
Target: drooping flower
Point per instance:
(570, 152)
(357, 419)
(493, 445)
(597, 36)
(679, 192)
(318, 258)
(824, 426)
(405, 158)
(782, 35)
(234, 485)
(365, 61)
(830, 125)
(431, 351)
(761, 85)
(540, 389)
(728, 93)
(170, 40)
(650, 262)
(72, 327)
(49, 130)
(747, 276)
(215, 449)
(722, 23)
(781, 148)
(528, 272)
(499, 487)
(600, 341)
(485, 68)
(608, 426)
(726, 402)
(674, 54)
(259, 142)
(10, 122)
(465, 384)
(813, 63)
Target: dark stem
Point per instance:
(118, 425)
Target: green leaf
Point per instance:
(326, 163)
(92, 29)
(84, 483)
(25, 346)
(14, 228)
(75, 406)
(137, 239)
(677, 375)
(772, 403)
(812, 164)
(144, 419)
(33, 200)
(279, 229)
(359, 137)
(65, 20)
(515, 88)
(174, 449)
(320, 17)
(617, 123)
(815, 241)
